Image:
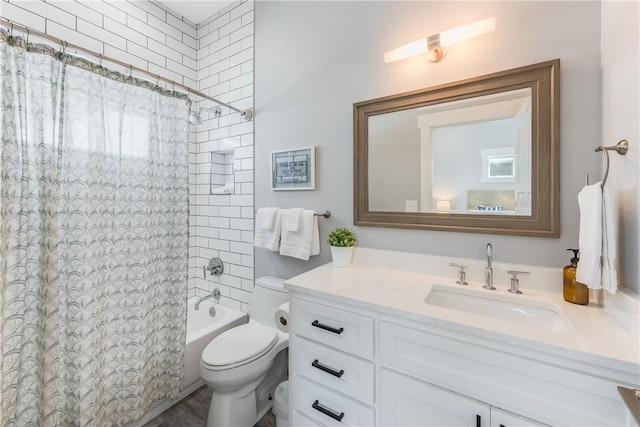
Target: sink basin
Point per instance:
(502, 307)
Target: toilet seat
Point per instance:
(238, 346)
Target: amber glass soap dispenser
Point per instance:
(574, 292)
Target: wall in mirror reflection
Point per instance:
(472, 155)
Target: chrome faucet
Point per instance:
(215, 294)
(488, 271)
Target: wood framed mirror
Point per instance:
(479, 155)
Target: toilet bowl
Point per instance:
(244, 365)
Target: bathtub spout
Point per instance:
(215, 295)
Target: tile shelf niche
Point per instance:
(221, 175)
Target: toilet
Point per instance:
(244, 365)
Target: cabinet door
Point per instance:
(501, 418)
(406, 401)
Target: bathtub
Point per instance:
(201, 329)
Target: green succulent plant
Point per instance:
(342, 238)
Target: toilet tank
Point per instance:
(268, 295)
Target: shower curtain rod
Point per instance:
(246, 114)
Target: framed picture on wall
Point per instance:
(293, 169)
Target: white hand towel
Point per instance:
(315, 238)
(291, 218)
(298, 244)
(265, 217)
(609, 242)
(268, 239)
(590, 239)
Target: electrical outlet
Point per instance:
(411, 206)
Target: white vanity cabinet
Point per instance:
(500, 418)
(357, 364)
(406, 401)
(331, 371)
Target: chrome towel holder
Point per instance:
(621, 148)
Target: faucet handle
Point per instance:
(462, 275)
(515, 283)
(516, 272)
(216, 266)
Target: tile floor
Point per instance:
(192, 411)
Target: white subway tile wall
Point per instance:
(215, 57)
(223, 224)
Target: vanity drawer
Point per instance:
(299, 420)
(327, 406)
(339, 371)
(341, 329)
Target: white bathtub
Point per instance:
(201, 329)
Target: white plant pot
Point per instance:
(341, 256)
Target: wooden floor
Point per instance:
(192, 411)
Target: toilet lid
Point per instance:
(242, 343)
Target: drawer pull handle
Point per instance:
(316, 405)
(478, 421)
(327, 328)
(327, 369)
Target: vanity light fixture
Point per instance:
(435, 47)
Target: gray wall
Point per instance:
(458, 150)
(313, 60)
(394, 169)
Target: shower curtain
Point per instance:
(93, 240)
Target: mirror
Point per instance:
(480, 155)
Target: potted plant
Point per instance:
(342, 242)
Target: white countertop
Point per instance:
(598, 337)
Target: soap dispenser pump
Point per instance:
(572, 291)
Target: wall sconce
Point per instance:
(443, 206)
(435, 47)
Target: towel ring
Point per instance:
(621, 148)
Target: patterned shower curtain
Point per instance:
(93, 240)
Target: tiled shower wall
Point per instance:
(140, 33)
(222, 224)
(215, 57)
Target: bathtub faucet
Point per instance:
(215, 294)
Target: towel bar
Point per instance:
(326, 214)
